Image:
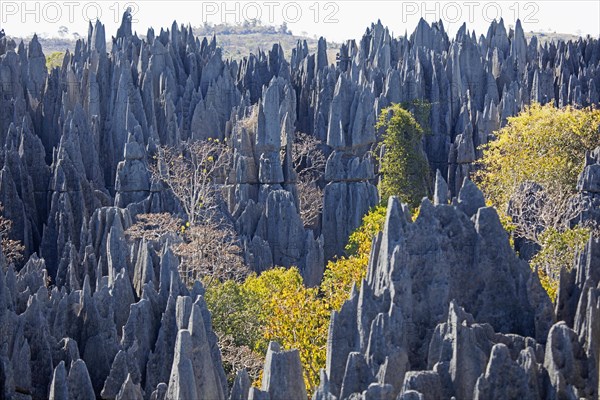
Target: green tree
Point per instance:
(403, 165)
(530, 173)
(277, 306)
(542, 144)
(55, 60)
(341, 274)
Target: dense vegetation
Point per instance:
(542, 146)
(530, 172)
(277, 306)
(404, 168)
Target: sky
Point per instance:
(335, 20)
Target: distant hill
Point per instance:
(544, 37)
(237, 41)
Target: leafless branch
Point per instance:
(153, 227)
(309, 159)
(12, 249)
(534, 209)
(309, 162)
(193, 174)
(236, 358)
(209, 252)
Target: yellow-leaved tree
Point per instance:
(530, 173)
(277, 306)
(344, 272)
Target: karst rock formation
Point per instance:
(447, 308)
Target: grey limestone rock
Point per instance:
(58, 388)
(241, 386)
(257, 394)
(129, 390)
(572, 374)
(445, 302)
(78, 382)
(282, 376)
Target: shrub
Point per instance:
(341, 274)
(403, 165)
(558, 250)
(530, 173)
(273, 306)
(542, 144)
(236, 319)
(276, 306)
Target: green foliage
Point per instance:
(546, 146)
(421, 111)
(341, 274)
(542, 144)
(294, 316)
(359, 243)
(274, 306)
(559, 250)
(234, 309)
(277, 306)
(55, 60)
(404, 167)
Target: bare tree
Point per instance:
(210, 251)
(534, 209)
(192, 174)
(12, 249)
(311, 202)
(309, 163)
(153, 227)
(235, 358)
(208, 246)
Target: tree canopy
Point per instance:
(404, 168)
(542, 144)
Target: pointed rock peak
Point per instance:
(440, 195)
(353, 291)
(196, 324)
(197, 290)
(35, 48)
(125, 30)
(79, 383)
(129, 390)
(282, 376)
(422, 23)
(426, 209)
(273, 347)
(488, 225)
(458, 316)
(87, 291)
(519, 33)
(470, 198)
(462, 32)
(98, 38)
(501, 24)
(183, 310)
(241, 386)
(395, 217)
(58, 387)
